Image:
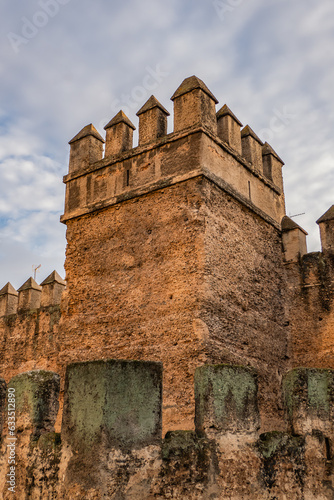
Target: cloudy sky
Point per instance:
(67, 63)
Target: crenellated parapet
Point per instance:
(31, 296)
(295, 245)
(326, 226)
(310, 294)
(203, 143)
(110, 439)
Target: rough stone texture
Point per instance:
(129, 394)
(176, 254)
(231, 463)
(228, 128)
(36, 395)
(166, 290)
(86, 148)
(109, 405)
(226, 399)
(37, 452)
(242, 312)
(119, 135)
(29, 295)
(33, 337)
(293, 240)
(8, 300)
(152, 121)
(52, 290)
(310, 313)
(252, 148)
(142, 281)
(309, 399)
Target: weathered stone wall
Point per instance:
(29, 340)
(243, 310)
(195, 280)
(140, 267)
(110, 445)
(179, 252)
(174, 250)
(311, 310)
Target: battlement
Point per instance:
(203, 143)
(111, 439)
(182, 274)
(31, 296)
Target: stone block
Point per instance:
(119, 136)
(226, 399)
(252, 148)
(326, 226)
(29, 295)
(86, 148)
(36, 396)
(229, 128)
(117, 402)
(293, 239)
(8, 300)
(52, 290)
(283, 470)
(194, 105)
(309, 400)
(152, 121)
(272, 165)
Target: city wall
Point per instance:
(178, 252)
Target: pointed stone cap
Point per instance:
(8, 290)
(289, 225)
(247, 131)
(30, 284)
(87, 131)
(151, 104)
(53, 278)
(190, 84)
(329, 215)
(268, 150)
(120, 118)
(224, 111)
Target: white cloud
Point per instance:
(263, 57)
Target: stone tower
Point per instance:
(174, 247)
(168, 365)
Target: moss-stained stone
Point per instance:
(189, 464)
(309, 399)
(36, 399)
(226, 399)
(118, 402)
(42, 472)
(179, 443)
(282, 454)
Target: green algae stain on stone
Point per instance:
(309, 399)
(133, 403)
(85, 397)
(319, 389)
(116, 401)
(226, 397)
(36, 399)
(309, 387)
